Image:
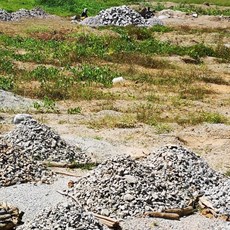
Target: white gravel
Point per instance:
(33, 198)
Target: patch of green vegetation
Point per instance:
(6, 66)
(46, 106)
(227, 174)
(110, 121)
(194, 93)
(63, 8)
(85, 166)
(195, 118)
(6, 82)
(90, 74)
(214, 80)
(216, 2)
(75, 110)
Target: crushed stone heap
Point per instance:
(22, 13)
(64, 216)
(40, 142)
(17, 168)
(120, 16)
(123, 187)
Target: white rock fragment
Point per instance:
(21, 117)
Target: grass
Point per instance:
(216, 2)
(109, 121)
(63, 8)
(56, 64)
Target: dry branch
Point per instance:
(171, 216)
(181, 211)
(109, 222)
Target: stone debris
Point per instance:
(16, 167)
(9, 100)
(120, 16)
(18, 118)
(10, 216)
(64, 216)
(42, 143)
(168, 178)
(22, 13)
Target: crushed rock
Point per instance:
(119, 16)
(16, 168)
(42, 143)
(22, 13)
(169, 178)
(64, 216)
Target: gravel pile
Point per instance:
(122, 187)
(64, 216)
(184, 170)
(119, 16)
(42, 143)
(9, 100)
(22, 13)
(16, 168)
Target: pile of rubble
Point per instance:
(9, 100)
(120, 16)
(40, 142)
(22, 13)
(169, 178)
(16, 167)
(64, 216)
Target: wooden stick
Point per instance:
(109, 222)
(66, 194)
(66, 173)
(181, 211)
(206, 203)
(171, 216)
(57, 164)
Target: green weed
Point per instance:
(75, 110)
(46, 106)
(6, 82)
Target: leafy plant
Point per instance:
(75, 110)
(46, 106)
(6, 82)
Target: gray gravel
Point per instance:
(32, 198)
(42, 143)
(120, 16)
(193, 222)
(9, 100)
(22, 13)
(169, 178)
(63, 216)
(16, 167)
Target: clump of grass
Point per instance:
(86, 166)
(6, 82)
(46, 106)
(194, 93)
(110, 121)
(6, 66)
(75, 110)
(90, 74)
(227, 174)
(214, 80)
(195, 118)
